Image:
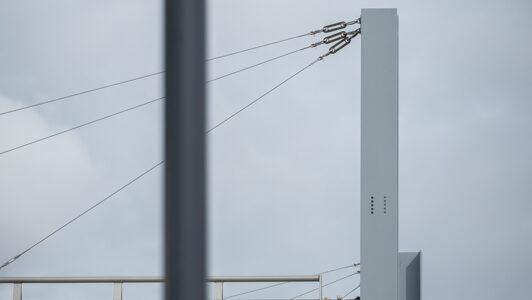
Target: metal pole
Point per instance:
(117, 291)
(218, 290)
(379, 154)
(185, 149)
(17, 291)
(321, 288)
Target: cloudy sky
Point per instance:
(284, 175)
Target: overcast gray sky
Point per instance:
(283, 175)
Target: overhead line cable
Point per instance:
(341, 268)
(258, 64)
(142, 77)
(79, 93)
(260, 97)
(255, 290)
(326, 28)
(349, 293)
(285, 282)
(342, 42)
(327, 284)
(81, 125)
(14, 258)
(257, 47)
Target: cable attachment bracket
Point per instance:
(352, 34)
(357, 21)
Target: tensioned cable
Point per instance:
(81, 214)
(341, 268)
(80, 125)
(79, 93)
(151, 101)
(255, 290)
(327, 28)
(260, 97)
(349, 293)
(332, 282)
(343, 42)
(281, 283)
(332, 50)
(260, 46)
(258, 64)
(146, 76)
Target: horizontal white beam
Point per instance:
(148, 279)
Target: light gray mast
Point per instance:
(379, 155)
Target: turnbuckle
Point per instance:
(331, 38)
(338, 46)
(334, 37)
(334, 27)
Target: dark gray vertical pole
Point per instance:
(185, 149)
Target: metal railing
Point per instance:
(119, 281)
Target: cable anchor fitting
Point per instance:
(357, 21)
(352, 34)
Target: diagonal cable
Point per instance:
(258, 64)
(327, 28)
(285, 282)
(81, 125)
(349, 293)
(327, 284)
(260, 46)
(80, 93)
(255, 290)
(81, 214)
(341, 268)
(142, 77)
(260, 97)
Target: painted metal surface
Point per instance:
(409, 276)
(118, 282)
(148, 279)
(218, 290)
(17, 291)
(117, 291)
(379, 154)
(185, 149)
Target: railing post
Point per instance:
(117, 295)
(17, 291)
(321, 288)
(218, 290)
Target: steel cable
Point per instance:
(81, 125)
(79, 93)
(81, 214)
